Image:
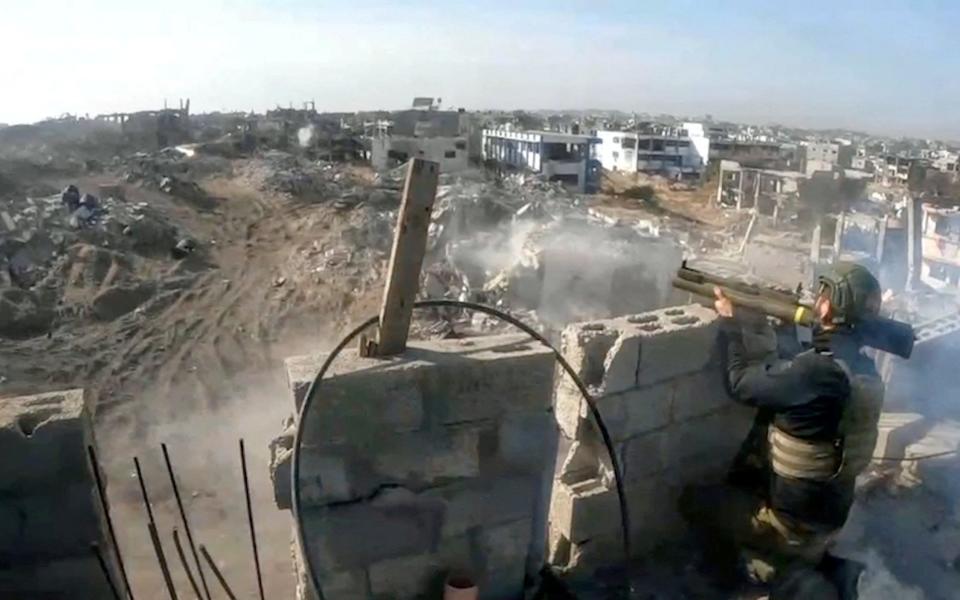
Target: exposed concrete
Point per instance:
(50, 512)
(437, 460)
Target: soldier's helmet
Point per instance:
(853, 291)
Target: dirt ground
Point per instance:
(206, 369)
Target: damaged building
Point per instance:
(424, 132)
(767, 191)
(563, 157)
(941, 246)
(826, 156)
(168, 126)
(674, 152)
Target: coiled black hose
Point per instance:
(312, 392)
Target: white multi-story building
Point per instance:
(557, 156)
(676, 153)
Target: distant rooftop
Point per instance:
(554, 137)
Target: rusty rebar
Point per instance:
(186, 523)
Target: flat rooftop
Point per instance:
(550, 137)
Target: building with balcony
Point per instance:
(940, 242)
(677, 153)
(562, 157)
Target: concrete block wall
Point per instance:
(436, 461)
(660, 392)
(49, 508)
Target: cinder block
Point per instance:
(714, 437)
(506, 548)
(51, 525)
(591, 510)
(582, 510)
(582, 461)
(43, 441)
(417, 460)
(637, 411)
(433, 382)
(425, 458)
(681, 341)
(478, 503)
(395, 523)
(642, 455)
(281, 455)
(491, 381)
(506, 545)
(506, 583)
(622, 362)
(345, 585)
(585, 347)
(527, 441)
(569, 410)
(365, 406)
(423, 575)
(406, 577)
(699, 394)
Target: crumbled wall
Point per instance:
(434, 461)
(660, 392)
(49, 509)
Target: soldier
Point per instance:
(792, 485)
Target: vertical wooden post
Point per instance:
(406, 259)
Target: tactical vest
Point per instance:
(842, 458)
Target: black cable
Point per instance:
(472, 306)
(916, 458)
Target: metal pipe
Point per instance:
(253, 531)
(185, 564)
(154, 537)
(95, 547)
(186, 523)
(217, 573)
(791, 313)
(105, 506)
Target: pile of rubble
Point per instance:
(520, 244)
(47, 242)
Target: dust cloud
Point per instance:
(202, 437)
(878, 583)
(305, 135)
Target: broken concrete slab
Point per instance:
(44, 438)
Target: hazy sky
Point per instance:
(886, 67)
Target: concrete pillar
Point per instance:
(740, 191)
(719, 183)
(881, 240)
(756, 191)
(815, 243)
(838, 237)
(914, 241)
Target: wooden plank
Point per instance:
(406, 259)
